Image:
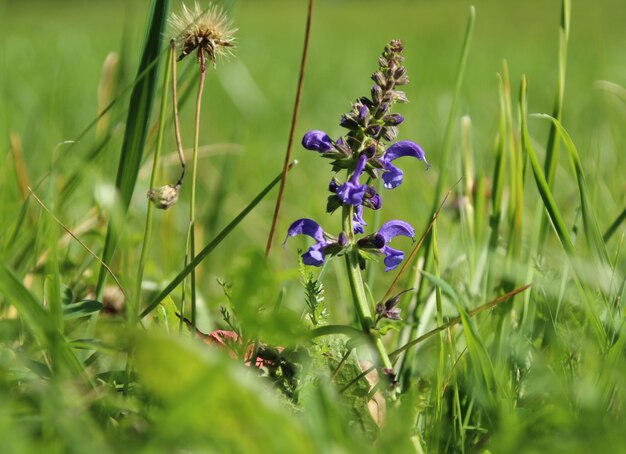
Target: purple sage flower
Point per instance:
(381, 239)
(392, 176)
(352, 192)
(315, 255)
(317, 141)
(389, 231)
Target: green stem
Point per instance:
(194, 175)
(358, 291)
(135, 300)
(133, 314)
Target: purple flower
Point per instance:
(357, 219)
(380, 240)
(317, 141)
(315, 255)
(352, 192)
(392, 176)
(389, 231)
(372, 198)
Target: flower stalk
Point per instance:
(359, 296)
(364, 154)
(210, 34)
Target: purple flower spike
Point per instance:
(352, 192)
(315, 255)
(389, 231)
(317, 141)
(392, 176)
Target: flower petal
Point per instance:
(351, 192)
(393, 257)
(392, 229)
(357, 220)
(393, 176)
(317, 141)
(315, 255)
(307, 227)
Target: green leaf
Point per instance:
(442, 284)
(81, 309)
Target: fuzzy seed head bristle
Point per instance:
(208, 31)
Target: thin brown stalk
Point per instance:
(179, 142)
(417, 247)
(294, 120)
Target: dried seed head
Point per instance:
(164, 196)
(209, 31)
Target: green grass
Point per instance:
(534, 127)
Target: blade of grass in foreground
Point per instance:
(211, 246)
(594, 238)
(446, 149)
(38, 322)
(137, 124)
(556, 218)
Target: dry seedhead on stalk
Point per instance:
(208, 31)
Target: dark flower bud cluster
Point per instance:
(365, 152)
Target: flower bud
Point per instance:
(164, 196)
(342, 240)
(364, 115)
(400, 96)
(317, 141)
(379, 78)
(373, 130)
(348, 122)
(390, 133)
(377, 94)
(393, 119)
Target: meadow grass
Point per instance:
(512, 338)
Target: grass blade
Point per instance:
(137, 125)
(594, 238)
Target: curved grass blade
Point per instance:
(594, 238)
(211, 246)
(556, 218)
(553, 145)
(614, 226)
(39, 323)
(137, 125)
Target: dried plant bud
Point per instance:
(165, 196)
(379, 78)
(400, 96)
(390, 133)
